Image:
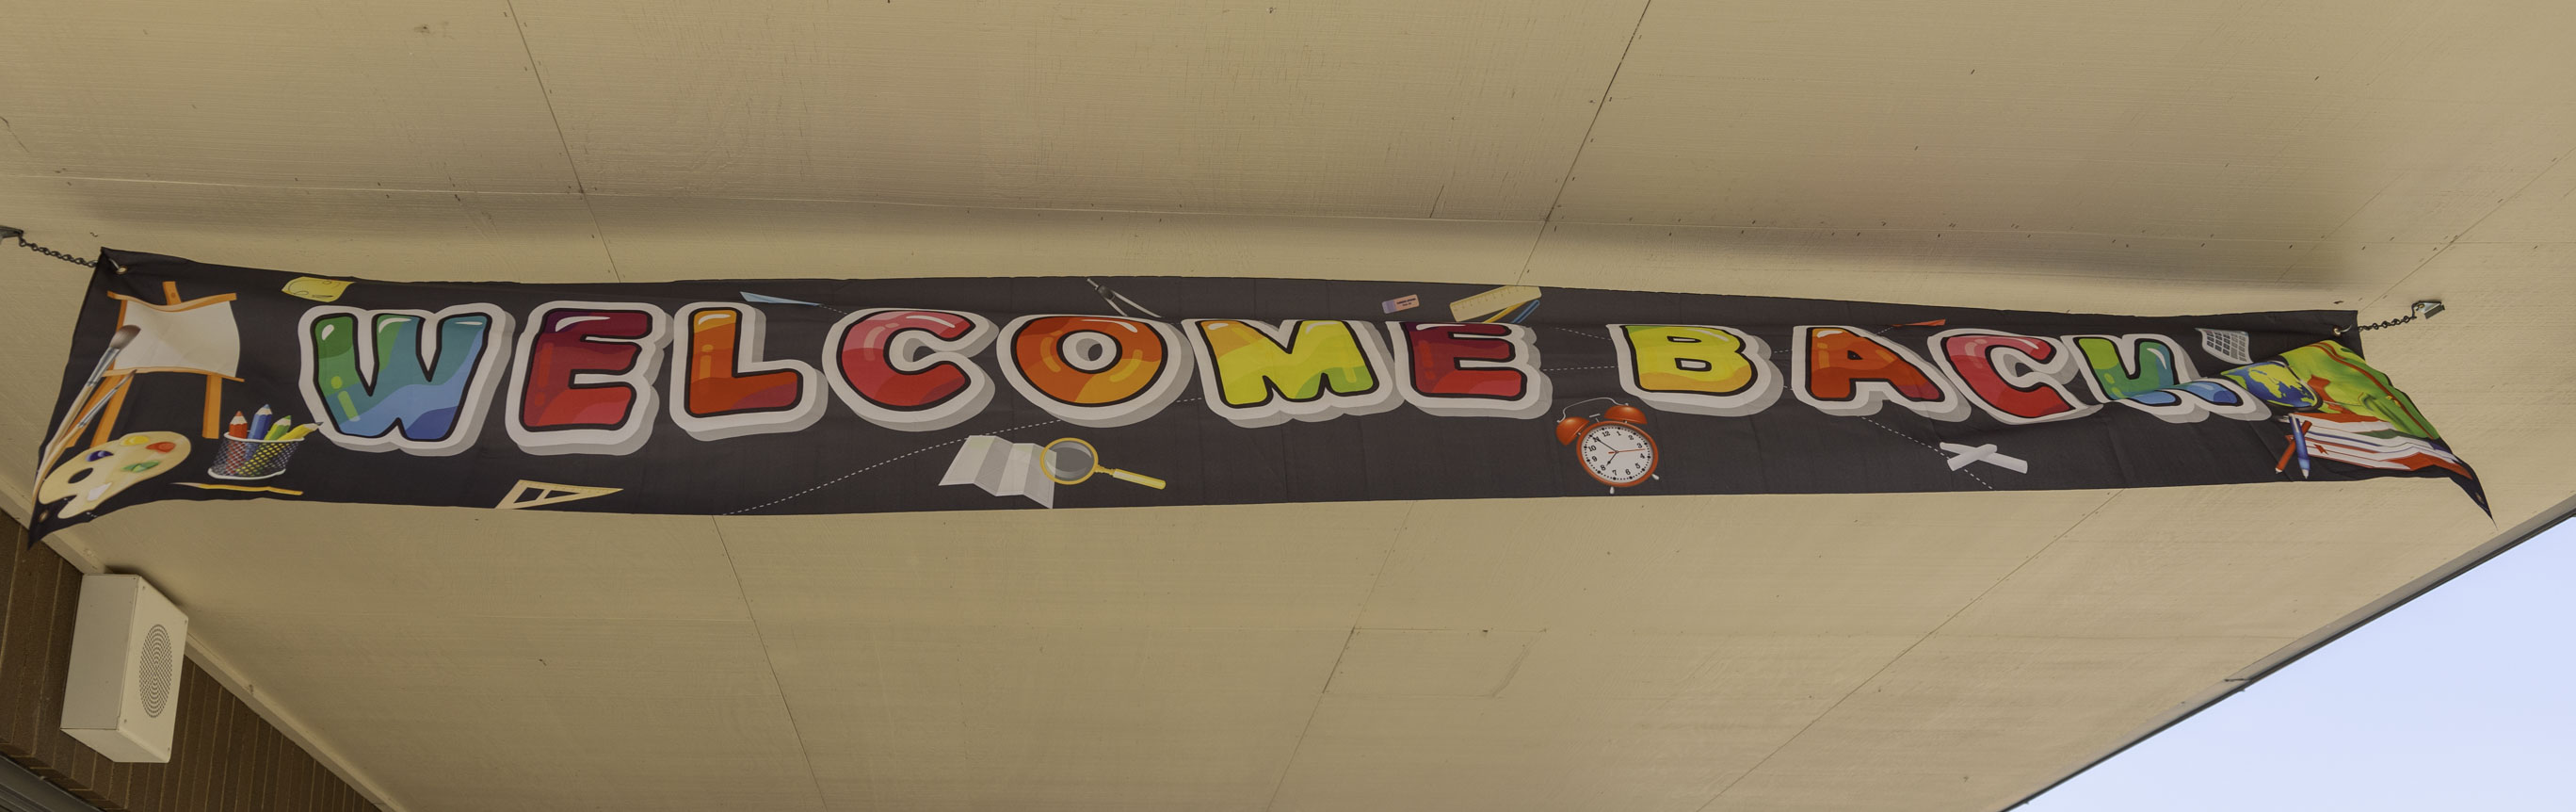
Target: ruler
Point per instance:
(1492, 301)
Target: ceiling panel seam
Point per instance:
(1900, 230)
(785, 705)
(2357, 211)
(1244, 215)
(2472, 228)
(764, 199)
(14, 139)
(1911, 230)
(562, 141)
(1576, 162)
(1909, 649)
(585, 616)
(299, 187)
(1393, 541)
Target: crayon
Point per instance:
(278, 430)
(239, 429)
(299, 432)
(259, 421)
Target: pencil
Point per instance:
(259, 421)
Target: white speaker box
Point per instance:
(127, 646)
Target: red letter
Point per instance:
(580, 384)
(2015, 379)
(1850, 371)
(722, 388)
(910, 370)
(1470, 370)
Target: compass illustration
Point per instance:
(1611, 445)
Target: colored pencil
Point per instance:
(259, 421)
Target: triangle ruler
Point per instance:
(533, 494)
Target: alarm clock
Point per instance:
(1612, 446)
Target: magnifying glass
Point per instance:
(1070, 461)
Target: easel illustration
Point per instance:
(190, 336)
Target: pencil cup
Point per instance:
(244, 458)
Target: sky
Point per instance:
(2462, 699)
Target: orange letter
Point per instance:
(1850, 371)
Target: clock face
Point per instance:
(1617, 453)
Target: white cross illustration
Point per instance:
(1984, 453)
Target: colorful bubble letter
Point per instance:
(381, 381)
(725, 386)
(1470, 370)
(1696, 369)
(1255, 374)
(910, 370)
(1097, 371)
(1849, 371)
(584, 376)
(2149, 372)
(2015, 379)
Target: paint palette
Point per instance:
(105, 470)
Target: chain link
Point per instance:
(2425, 309)
(2384, 324)
(21, 237)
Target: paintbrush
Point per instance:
(74, 420)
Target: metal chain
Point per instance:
(21, 237)
(2385, 324)
(2425, 309)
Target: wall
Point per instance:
(225, 758)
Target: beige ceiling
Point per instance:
(1906, 652)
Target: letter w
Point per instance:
(394, 384)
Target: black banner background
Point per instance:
(846, 465)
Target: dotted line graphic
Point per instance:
(1577, 332)
(1575, 369)
(1936, 451)
(891, 460)
(1029, 426)
(837, 480)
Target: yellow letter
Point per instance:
(1259, 375)
(1695, 369)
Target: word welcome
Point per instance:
(582, 377)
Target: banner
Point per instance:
(789, 396)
